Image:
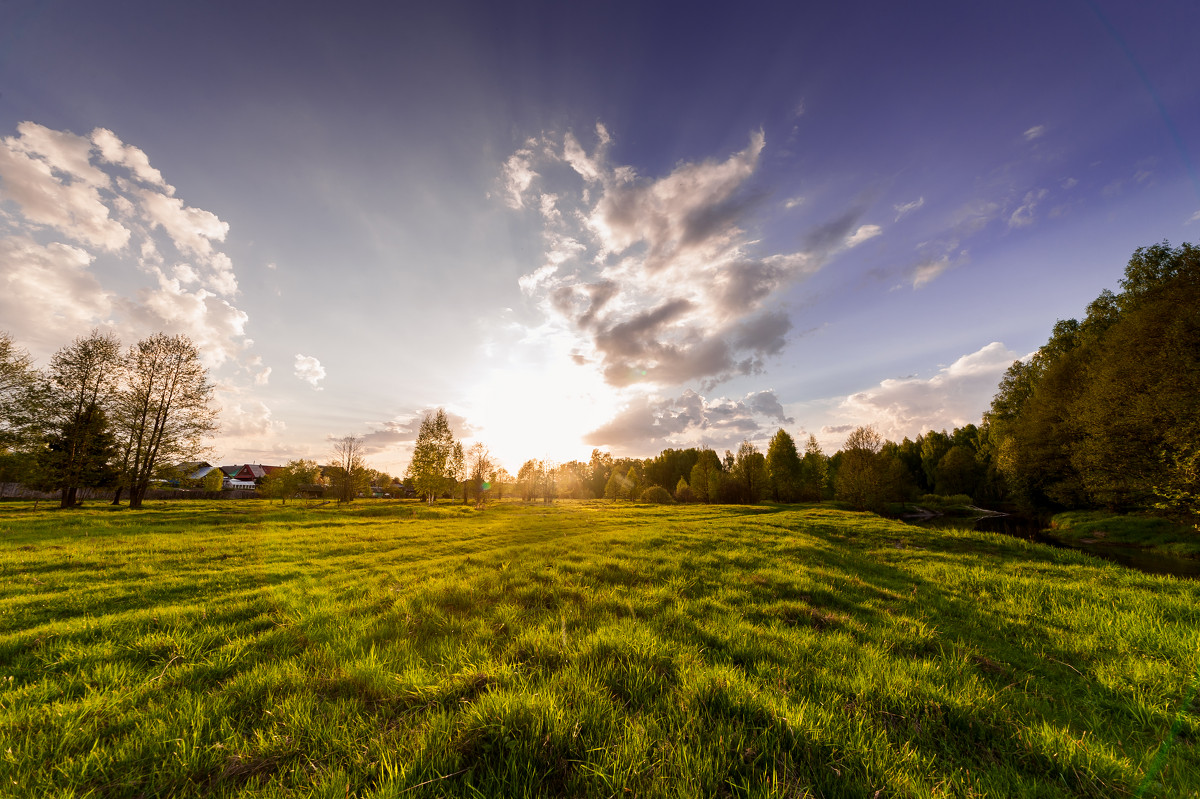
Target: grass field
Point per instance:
(1146, 532)
(389, 649)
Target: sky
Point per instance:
(626, 226)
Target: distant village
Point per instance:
(253, 476)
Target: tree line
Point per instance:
(1105, 414)
(101, 417)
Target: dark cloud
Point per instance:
(744, 284)
(599, 294)
(635, 337)
(766, 403)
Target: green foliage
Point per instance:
(430, 467)
(705, 478)
(290, 480)
(683, 492)
(1106, 413)
(866, 478)
(814, 471)
(657, 495)
(783, 468)
(388, 649)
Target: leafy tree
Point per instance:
(299, 475)
(705, 478)
(430, 466)
(83, 379)
(80, 453)
(783, 467)
(958, 472)
(749, 480)
(683, 492)
(814, 468)
(862, 473)
(458, 468)
(617, 487)
(20, 399)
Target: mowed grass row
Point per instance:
(580, 649)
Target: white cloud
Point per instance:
(864, 233)
(1069, 183)
(309, 370)
(793, 202)
(1194, 218)
(1036, 132)
(263, 377)
(1023, 216)
(517, 176)
(41, 172)
(48, 294)
(904, 209)
(114, 151)
(927, 270)
(248, 419)
(192, 230)
(957, 395)
(57, 185)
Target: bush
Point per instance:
(658, 495)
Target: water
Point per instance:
(1032, 530)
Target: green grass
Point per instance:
(1146, 532)
(389, 649)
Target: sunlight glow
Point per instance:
(523, 412)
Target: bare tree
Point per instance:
(479, 464)
(165, 409)
(348, 472)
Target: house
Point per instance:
(245, 476)
(254, 471)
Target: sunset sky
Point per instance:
(629, 226)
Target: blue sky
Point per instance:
(630, 226)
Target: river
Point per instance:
(1032, 530)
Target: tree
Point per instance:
(617, 487)
(957, 472)
(705, 478)
(429, 468)
(530, 477)
(83, 379)
(348, 473)
(862, 473)
(500, 479)
(19, 396)
(683, 492)
(458, 468)
(296, 476)
(783, 468)
(79, 454)
(814, 469)
(480, 468)
(164, 410)
(749, 474)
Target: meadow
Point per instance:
(389, 649)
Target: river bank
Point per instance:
(1149, 544)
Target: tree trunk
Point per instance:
(117, 495)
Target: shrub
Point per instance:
(658, 495)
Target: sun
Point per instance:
(541, 412)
